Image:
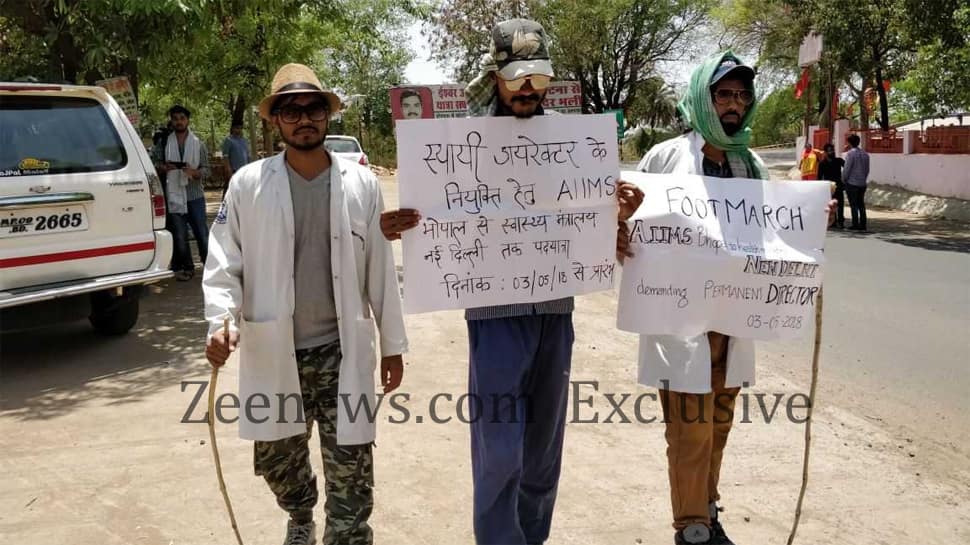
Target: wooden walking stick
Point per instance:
(212, 436)
(808, 422)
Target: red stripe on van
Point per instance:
(78, 254)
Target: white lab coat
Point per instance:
(684, 363)
(249, 278)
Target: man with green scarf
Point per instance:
(700, 377)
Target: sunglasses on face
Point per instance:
(725, 96)
(292, 113)
(538, 82)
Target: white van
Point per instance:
(82, 211)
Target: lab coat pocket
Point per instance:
(267, 377)
(259, 343)
(365, 344)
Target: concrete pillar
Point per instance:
(839, 133)
(908, 137)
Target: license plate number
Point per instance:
(42, 221)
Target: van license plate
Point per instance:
(42, 221)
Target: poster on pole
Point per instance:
(513, 210)
(120, 89)
(741, 257)
(447, 101)
(810, 51)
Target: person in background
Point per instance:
(235, 152)
(830, 168)
(856, 176)
(808, 165)
(185, 160)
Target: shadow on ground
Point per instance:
(50, 372)
(915, 231)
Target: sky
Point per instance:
(422, 70)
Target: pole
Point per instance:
(808, 422)
(212, 438)
(808, 105)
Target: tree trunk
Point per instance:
(883, 102)
(68, 54)
(238, 110)
(129, 68)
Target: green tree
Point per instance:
(612, 47)
(778, 119)
(459, 31)
(865, 42)
(939, 80)
(772, 29)
(363, 56)
(84, 41)
(655, 105)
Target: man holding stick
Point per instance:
(298, 265)
(519, 351)
(700, 377)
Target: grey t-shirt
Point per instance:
(315, 315)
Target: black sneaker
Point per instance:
(695, 534)
(300, 534)
(718, 537)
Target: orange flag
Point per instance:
(802, 84)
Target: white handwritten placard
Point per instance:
(741, 257)
(513, 210)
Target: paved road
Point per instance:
(897, 322)
(779, 160)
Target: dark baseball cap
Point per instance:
(735, 68)
(519, 49)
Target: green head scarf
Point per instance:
(698, 111)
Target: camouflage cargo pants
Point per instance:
(348, 470)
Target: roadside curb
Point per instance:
(891, 196)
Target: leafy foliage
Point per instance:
(778, 119)
(612, 47)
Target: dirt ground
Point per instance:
(94, 451)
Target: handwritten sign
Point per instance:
(742, 257)
(513, 210)
(120, 89)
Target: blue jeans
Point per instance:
(519, 385)
(179, 225)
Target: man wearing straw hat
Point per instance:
(298, 264)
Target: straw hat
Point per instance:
(296, 78)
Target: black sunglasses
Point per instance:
(292, 113)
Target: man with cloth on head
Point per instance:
(521, 351)
(301, 270)
(700, 377)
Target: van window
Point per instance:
(56, 135)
